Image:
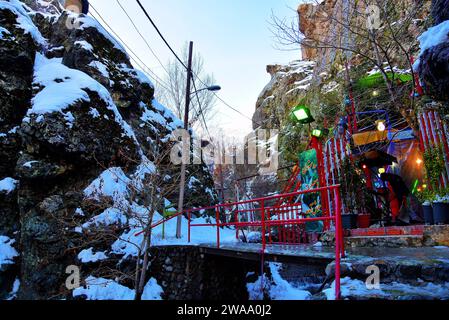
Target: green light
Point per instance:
(303, 114)
(317, 133)
(415, 186)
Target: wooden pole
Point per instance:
(186, 127)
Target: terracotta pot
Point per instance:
(364, 221)
(428, 214)
(441, 213)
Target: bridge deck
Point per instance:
(275, 253)
(321, 255)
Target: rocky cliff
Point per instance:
(80, 131)
(433, 64)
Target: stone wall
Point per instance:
(185, 273)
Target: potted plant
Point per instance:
(349, 221)
(426, 198)
(441, 209)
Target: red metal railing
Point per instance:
(280, 220)
(279, 224)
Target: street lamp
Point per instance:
(303, 114)
(213, 88)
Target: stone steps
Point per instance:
(385, 241)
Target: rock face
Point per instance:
(74, 114)
(314, 23)
(440, 11)
(433, 68)
(287, 86)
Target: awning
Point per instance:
(364, 138)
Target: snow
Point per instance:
(64, 86)
(94, 113)
(24, 22)
(89, 22)
(85, 45)
(88, 255)
(108, 217)
(432, 37)
(100, 67)
(354, 288)
(150, 116)
(15, 289)
(29, 164)
(3, 31)
(278, 289)
(113, 182)
(104, 289)
(8, 185)
(56, 96)
(168, 114)
(129, 242)
(7, 252)
(143, 78)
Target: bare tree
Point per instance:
(385, 43)
(176, 79)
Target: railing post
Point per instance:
(217, 211)
(189, 217)
(262, 212)
(338, 242)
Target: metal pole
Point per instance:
(338, 243)
(186, 127)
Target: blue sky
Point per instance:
(233, 37)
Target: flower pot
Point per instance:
(349, 221)
(441, 213)
(363, 221)
(428, 214)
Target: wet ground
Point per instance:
(423, 255)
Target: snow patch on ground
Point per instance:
(104, 289)
(7, 252)
(8, 185)
(277, 289)
(357, 288)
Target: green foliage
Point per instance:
(377, 79)
(353, 188)
(426, 196)
(434, 163)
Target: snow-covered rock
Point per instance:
(79, 126)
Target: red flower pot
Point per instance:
(363, 220)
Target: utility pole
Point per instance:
(182, 183)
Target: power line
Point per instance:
(160, 34)
(141, 36)
(183, 64)
(153, 76)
